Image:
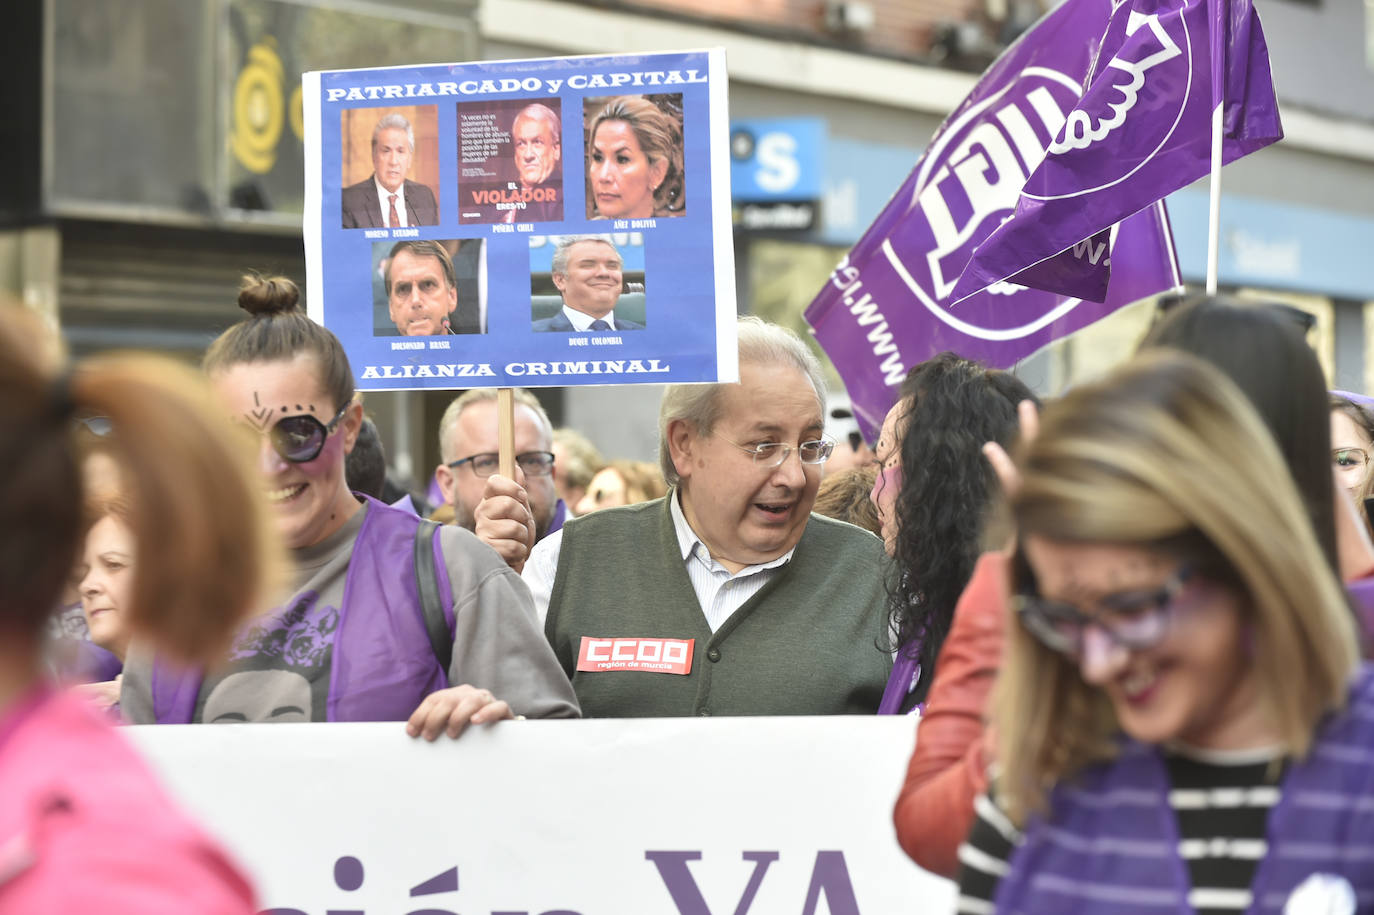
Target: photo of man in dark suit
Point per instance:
(536, 135)
(388, 199)
(587, 269)
(422, 291)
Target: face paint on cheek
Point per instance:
(330, 455)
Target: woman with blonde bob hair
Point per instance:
(1176, 724)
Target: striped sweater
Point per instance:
(1156, 832)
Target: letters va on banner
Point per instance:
(437, 198)
(1142, 130)
(889, 304)
(597, 817)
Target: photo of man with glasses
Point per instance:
(468, 457)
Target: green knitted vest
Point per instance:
(806, 644)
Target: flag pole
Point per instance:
(1216, 24)
(1214, 203)
(505, 432)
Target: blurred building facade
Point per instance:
(156, 154)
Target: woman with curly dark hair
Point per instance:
(931, 493)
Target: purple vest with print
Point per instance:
(1110, 844)
(383, 664)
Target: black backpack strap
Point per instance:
(427, 585)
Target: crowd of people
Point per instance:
(1129, 620)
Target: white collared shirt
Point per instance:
(384, 199)
(719, 591)
(582, 322)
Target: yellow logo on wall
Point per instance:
(260, 109)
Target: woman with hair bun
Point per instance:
(634, 161)
(388, 618)
(1181, 719)
(84, 827)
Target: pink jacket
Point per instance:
(84, 827)
(948, 768)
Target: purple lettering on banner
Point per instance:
(831, 877)
(1142, 130)
(682, 886)
(446, 882)
(890, 303)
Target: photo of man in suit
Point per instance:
(536, 135)
(422, 291)
(388, 199)
(587, 271)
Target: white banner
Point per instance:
(755, 816)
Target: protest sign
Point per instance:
(890, 304)
(436, 197)
(1142, 130)
(783, 816)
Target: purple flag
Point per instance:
(1141, 131)
(889, 303)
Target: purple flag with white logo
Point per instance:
(889, 303)
(1141, 131)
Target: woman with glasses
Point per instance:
(931, 494)
(1352, 440)
(1245, 341)
(387, 619)
(84, 826)
(1180, 718)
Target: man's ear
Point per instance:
(683, 443)
(443, 475)
(560, 281)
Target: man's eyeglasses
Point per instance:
(301, 438)
(772, 454)
(1132, 619)
(534, 463)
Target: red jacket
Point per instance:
(948, 768)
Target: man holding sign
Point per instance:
(726, 597)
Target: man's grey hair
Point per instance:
(449, 421)
(393, 121)
(560, 251)
(760, 343)
(538, 112)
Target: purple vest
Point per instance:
(1110, 844)
(1361, 592)
(383, 664)
(906, 672)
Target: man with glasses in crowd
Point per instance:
(726, 597)
(468, 449)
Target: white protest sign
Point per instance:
(769, 816)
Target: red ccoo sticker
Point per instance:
(655, 656)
